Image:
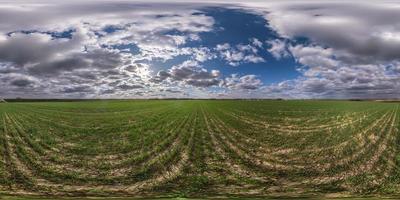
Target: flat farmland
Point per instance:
(200, 148)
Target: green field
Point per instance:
(200, 148)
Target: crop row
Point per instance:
(199, 147)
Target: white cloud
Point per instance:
(257, 43)
(278, 48)
(315, 57)
(191, 73)
(359, 33)
(202, 54)
(240, 53)
(86, 62)
(33, 48)
(247, 82)
(346, 49)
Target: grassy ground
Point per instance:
(192, 148)
(271, 198)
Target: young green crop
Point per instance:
(192, 148)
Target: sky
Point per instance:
(200, 49)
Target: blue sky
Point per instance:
(248, 49)
(237, 26)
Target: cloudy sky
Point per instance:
(248, 49)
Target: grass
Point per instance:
(179, 198)
(199, 148)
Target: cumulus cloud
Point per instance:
(131, 49)
(360, 32)
(247, 82)
(19, 80)
(77, 89)
(202, 54)
(129, 87)
(81, 54)
(21, 48)
(314, 56)
(97, 59)
(191, 73)
(241, 53)
(356, 81)
(278, 48)
(343, 50)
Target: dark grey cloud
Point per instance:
(21, 82)
(129, 87)
(172, 91)
(191, 73)
(359, 33)
(84, 61)
(362, 81)
(202, 82)
(77, 89)
(247, 82)
(96, 59)
(350, 49)
(22, 49)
